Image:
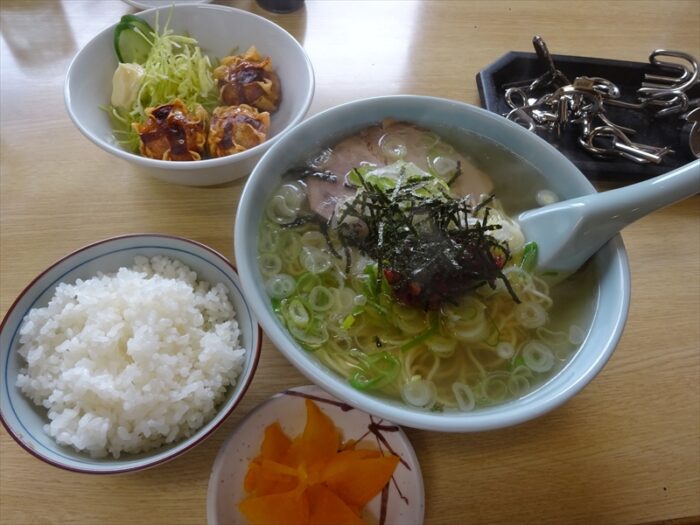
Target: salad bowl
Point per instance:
(219, 31)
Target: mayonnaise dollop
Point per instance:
(125, 84)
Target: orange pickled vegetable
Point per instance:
(326, 507)
(314, 478)
(275, 443)
(290, 508)
(357, 478)
(268, 477)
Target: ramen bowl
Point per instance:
(607, 290)
(27, 422)
(219, 31)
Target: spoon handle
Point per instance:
(569, 232)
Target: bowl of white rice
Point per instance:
(126, 354)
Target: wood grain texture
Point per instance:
(626, 450)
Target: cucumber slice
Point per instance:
(137, 22)
(129, 42)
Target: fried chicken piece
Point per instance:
(248, 79)
(236, 128)
(171, 132)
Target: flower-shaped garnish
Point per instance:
(313, 478)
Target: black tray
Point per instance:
(628, 76)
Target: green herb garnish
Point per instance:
(428, 245)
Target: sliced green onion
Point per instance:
(314, 259)
(279, 212)
(393, 145)
(269, 237)
(464, 396)
(306, 282)
(505, 350)
(297, 313)
(423, 336)
(377, 307)
(518, 362)
(444, 167)
(348, 321)
(370, 288)
(293, 195)
(494, 388)
(552, 338)
(468, 321)
(345, 298)
(529, 258)
(441, 345)
(280, 286)
(350, 318)
(576, 335)
(314, 239)
(419, 393)
(538, 357)
(518, 385)
(320, 299)
(314, 335)
(270, 264)
(289, 245)
(355, 175)
(376, 371)
(530, 315)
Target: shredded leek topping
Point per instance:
(175, 68)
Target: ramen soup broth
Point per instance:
(469, 350)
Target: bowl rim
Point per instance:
(147, 162)
(115, 469)
(318, 374)
(145, 5)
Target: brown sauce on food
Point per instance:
(247, 73)
(172, 133)
(236, 128)
(248, 79)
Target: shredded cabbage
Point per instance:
(175, 68)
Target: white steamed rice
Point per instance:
(130, 361)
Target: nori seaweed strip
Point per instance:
(323, 226)
(348, 262)
(426, 243)
(484, 203)
(456, 174)
(305, 171)
(299, 221)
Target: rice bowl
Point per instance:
(105, 354)
(184, 385)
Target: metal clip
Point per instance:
(621, 145)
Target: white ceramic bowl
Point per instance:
(24, 421)
(218, 29)
(611, 298)
(148, 4)
(404, 501)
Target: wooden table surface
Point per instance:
(626, 450)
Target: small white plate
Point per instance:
(148, 4)
(405, 503)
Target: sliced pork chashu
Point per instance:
(383, 144)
